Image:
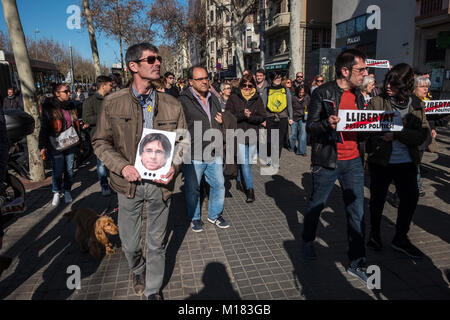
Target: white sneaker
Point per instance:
(55, 201)
(67, 197)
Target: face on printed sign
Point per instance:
(155, 153)
(154, 156)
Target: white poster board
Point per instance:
(437, 106)
(155, 153)
(369, 120)
(371, 63)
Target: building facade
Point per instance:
(432, 39)
(315, 33)
(382, 29)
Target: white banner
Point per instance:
(378, 63)
(369, 120)
(437, 106)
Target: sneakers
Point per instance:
(374, 242)
(155, 296)
(106, 191)
(421, 192)
(219, 222)
(308, 250)
(359, 271)
(407, 248)
(139, 283)
(250, 196)
(55, 201)
(67, 197)
(197, 225)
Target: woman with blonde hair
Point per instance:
(318, 81)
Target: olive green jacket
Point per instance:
(414, 133)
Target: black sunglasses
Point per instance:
(65, 91)
(150, 59)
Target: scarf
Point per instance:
(249, 95)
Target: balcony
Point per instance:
(278, 22)
(431, 12)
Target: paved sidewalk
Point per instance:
(258, 257)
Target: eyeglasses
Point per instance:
(299, 76)
(250, 86)
(319, 81)
(150, 59)
(65, 91)
(361, 70)
(201, 79)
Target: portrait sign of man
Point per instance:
(154, 153)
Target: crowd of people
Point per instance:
(116, 119)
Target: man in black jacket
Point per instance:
(203, 112)
(170, 85)
(335, 156)
(12, 101)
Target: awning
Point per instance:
(277, 65)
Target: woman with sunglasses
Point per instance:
(394, 156)
(58, 115)
(287, 83)
(318, 81)
(246, 105)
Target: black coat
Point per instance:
(298, 107)
(193, 112)
(236, 104)
(323, 137)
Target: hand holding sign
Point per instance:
(333, 120)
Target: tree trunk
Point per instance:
(238, 51)
(27, 86)
(92, 38)
(121, 60)
(296, 50)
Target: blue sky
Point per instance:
(50, 17)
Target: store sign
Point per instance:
(353, 40)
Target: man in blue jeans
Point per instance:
(336, 156)
(91, 109)
(202, 109)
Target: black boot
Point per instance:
(239, 186)
(250, 196)
(374, 242)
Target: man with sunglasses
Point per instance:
(299, 80)
(123, 116)
(337, 156)
(203, 111)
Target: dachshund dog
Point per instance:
(92, 228)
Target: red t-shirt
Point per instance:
(349, 149)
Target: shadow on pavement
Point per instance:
(320, 278)
(54, 249)
(177, 227)
(217, 284)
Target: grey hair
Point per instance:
(421, 80)
(367, 80)
(222, 86)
